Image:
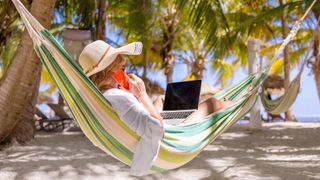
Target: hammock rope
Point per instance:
(103, 127)
(289, 38)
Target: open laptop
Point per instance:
(181, 99)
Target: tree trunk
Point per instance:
(145, 64)
(167, 56)
(169, 23)
(316, 71)
(285, 32)
(19, 85)
(198, 67)
(101, 20)
(316, 52)
(168, 68)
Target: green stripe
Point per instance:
(88, 82)
(84, 109)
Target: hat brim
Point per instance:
(134, 48)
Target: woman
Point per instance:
(101, 62)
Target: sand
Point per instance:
(278, 151)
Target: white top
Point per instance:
(136, 117)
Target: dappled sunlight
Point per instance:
(98, 171)
(311, 175)
(58, 156)
(281, 137)
(291, 157)
(276, 149)
(101, 169)
(291, 125)
(247, 171)
(270, 153)
(298, 165)
(231, 167)
(232, 136)
(190, 174)
(222, 164)
(49, 135)
(42, 175)
(222, 148)
(7, 174)
(49, 154)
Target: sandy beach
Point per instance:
(278, 151)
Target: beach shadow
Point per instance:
(279, 151)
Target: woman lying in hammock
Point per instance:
(104, 64)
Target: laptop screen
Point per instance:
(182, 95)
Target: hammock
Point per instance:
(284, 102)
(103, 127)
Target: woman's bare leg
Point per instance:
(158, 103)
(206, 108)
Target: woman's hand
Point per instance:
(137, 87)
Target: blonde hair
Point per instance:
(105, 74)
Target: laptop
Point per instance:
(181, 100)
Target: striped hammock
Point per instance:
(103, 127)
(284, 102)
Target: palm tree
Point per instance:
(257, 19)
(137, 21)
(315, 64)
(306, 37)
(217, 41)
(10, 32)
(169, 24)
(79, 13)
(101, 20)
(19, 85)
(192, 51)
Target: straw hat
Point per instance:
(98, 55)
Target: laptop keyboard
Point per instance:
(176, 114)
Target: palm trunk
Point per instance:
(168, 68)
(19, 85)
(166, 52)
(316, 52)
(316, 71)
(145, 64)
(198, 68)
(285, 32)
(101, 21)
(169, 23)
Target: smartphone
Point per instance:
(121, 78)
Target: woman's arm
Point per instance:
(138, 89)
(147, 103)
(158, 103)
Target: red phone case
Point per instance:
(121, 78)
